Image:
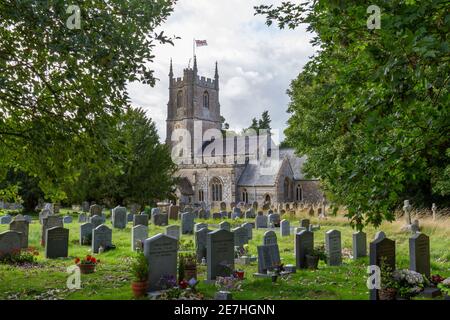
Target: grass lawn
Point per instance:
(47, 279)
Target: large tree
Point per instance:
(371, 108)
(62, 86)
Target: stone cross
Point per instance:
(407, 210)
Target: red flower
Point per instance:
(77, 260)
(93, 260)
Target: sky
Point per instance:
(256, 63)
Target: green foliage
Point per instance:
(60, 88)
(139, 267)
(371, 108)
(260, 124)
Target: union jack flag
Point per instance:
(201, 43)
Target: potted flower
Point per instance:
(139, 270)
(87, 265)
(409, 283)
(313, 257)
(444, 286)
(239, 274)
(187, 266)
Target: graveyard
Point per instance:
(344, 278)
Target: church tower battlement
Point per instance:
(192, 98)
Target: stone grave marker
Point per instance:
(261, 222)
(240, 236)
(305, 223)
(199, 226)
(67, 219)
(86, 233)
(236, 213)
(173, 231)
(381, 248)
(82, 218)
(19, 224)
(250, 214)
(95, 210)
(97, 220)
(85, 206)
(56, 243)
(138, 235)
(249, 227)
(161, 252)
(359, 245)
(419, 254)
(285, 228)
(220, 254)
(119, 217)
(160, 219)
(140, 219)
(187, 223)
(304, 244)
(173, 212)
(333, 247)
(200, 243)
(6, 219)
(274, 220)
(50, 222)
(10, 241)
(101, 237)
(225, 225)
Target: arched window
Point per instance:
(206, 99)
(216, 190)
(299, 193)
(179, 99)
(267, 199)
(286, 189)
(201, 196)
(245, 196)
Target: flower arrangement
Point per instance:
(409, 283)
(187, 267)
(87, 264)
(20, 256)
(167, 282)
(139, 268)
(227, 283)
(445, 286)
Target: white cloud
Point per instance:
(256, 62)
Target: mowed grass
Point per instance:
(47, 279)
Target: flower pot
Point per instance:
(240, 275)
(190, 271)
(312, 262)
(139, 288)
(87, 268)
(387, 294)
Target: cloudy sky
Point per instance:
(256, 62)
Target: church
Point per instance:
(216, 167)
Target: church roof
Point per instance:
(295, 162)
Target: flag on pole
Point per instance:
(201, 43)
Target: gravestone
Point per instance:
(359, 245)
(268, 253)
(304, 223)
(225, 225)
(28, 218)
(138, 234)
(381, 248)
(50, 222)
(85, 206)
(67, 219)
(223, 206)
(19, 224)
(160, 219)
(217, 215)
(10, 242)
(220, 254)
(187, 223)
(199, 226)
(200, 243)
(333, 247)
(155, 211)
(249, 227)
(97, 220)
(130, 217)
(274, 220)
(86, 233)
(261, 222)
(119, 217)
(285, 228)
(236, 213)
(56, 243)
(101, 237)
(304, 244)
(140, 219)
(419, 254)
(44, 214)
(95, 210)
(173, 212)
(161, 252)
(134, 208)
(82, 218)
(173, 231)
(250, 214)
(5, 219)
(240, 236)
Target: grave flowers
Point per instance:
(409, 283)
(187, 266)
(388, 289)
(313, 258)
(139, 270)
(445, 288)
(87, 265)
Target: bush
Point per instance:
(139, 267)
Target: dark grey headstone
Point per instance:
(56, 243)
(220, 254)
(160, 219)
(86, 233)
(119, 217)
(19, 224)
(187, 223)
(305, 223)
(97, 220)
(199, 226)
(285, 228)
(67, 219)
(304, 244)
(419, 254)
(381, 248)
(274, 220)
(333, 247)
(240, 236)
(82, 218)
(261, 221)
(5, 219)
(225, 225)
(10, 242)
(359, 245)
(140, 219)
(161, 252)
(200, 243)
(95, 210)
(173, 231)
(50, 222)
(249, 227)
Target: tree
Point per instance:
(371, 108)
(260, 124)
(224, 125)
(60, 87)
(137, 169)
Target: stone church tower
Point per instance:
(193, 100)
